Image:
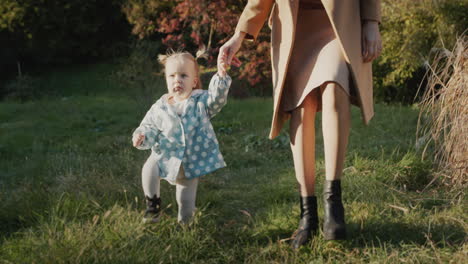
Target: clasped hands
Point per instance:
(224, 60)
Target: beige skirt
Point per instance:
(316, 56)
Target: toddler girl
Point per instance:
(177, 128)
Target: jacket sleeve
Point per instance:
(216, 97)
(150, 127)
(253, 17)
(370, 10)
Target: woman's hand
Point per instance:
(138, 139)
(371, 41)
(230, 48)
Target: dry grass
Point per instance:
(443, 118)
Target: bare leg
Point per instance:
(336, 120)
(302, 139)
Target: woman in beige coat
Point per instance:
(321, 52)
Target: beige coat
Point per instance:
(346, 17)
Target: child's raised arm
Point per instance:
(222, 64)
(217, 94)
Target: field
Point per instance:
(70, 188)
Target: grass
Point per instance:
(444, 115)
(70, 188)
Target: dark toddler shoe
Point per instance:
(334, 226)
(153, 208)
(308, 225)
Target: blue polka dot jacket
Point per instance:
(189, 139)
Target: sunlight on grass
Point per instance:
(70, 191)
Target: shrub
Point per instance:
(409, 31)
(196, 23)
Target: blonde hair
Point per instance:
(184, 55)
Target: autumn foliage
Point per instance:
(191, 24)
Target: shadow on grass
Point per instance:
(435, 230)
(377, 233)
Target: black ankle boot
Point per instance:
(153, 207)
(334, 227)
(308, 224)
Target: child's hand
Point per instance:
(138, 139)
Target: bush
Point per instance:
(410, 29)
(191, 24)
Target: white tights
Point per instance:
(186, 190)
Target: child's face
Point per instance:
(181, 77)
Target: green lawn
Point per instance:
(70, 187)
